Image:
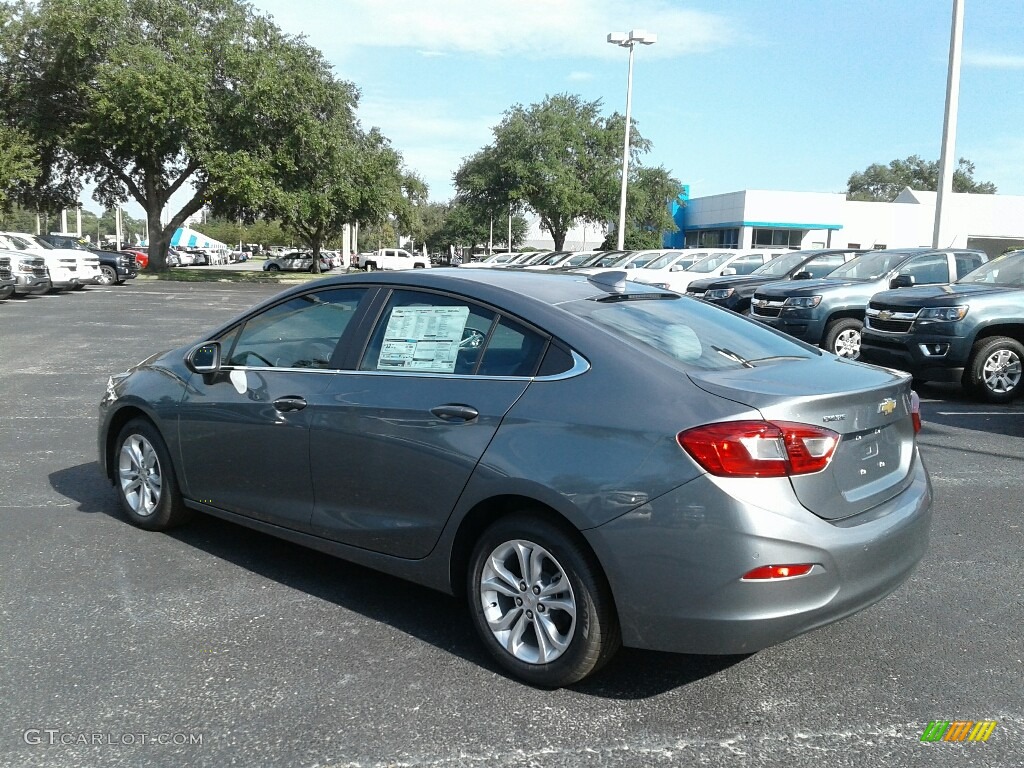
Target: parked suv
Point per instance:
(115, 267)
(971, 331)
(735, 291)
(67, 268)
(829, 312)
(30, 274)
(7, 281)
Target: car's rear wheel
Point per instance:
(995, 371)
(273, 268)
(370, 266)
(540, 603)
(108, 275)
(145, 478)
(842, 337)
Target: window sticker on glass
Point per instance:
(423, 339)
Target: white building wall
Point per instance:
(580, 238)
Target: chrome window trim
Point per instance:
(580, 366)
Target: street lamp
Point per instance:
(628, 41)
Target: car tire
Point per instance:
(994, 371)
(540, 633)
(145, 479)
(273, 268)
(79, 287)
(370, 266)
(108, 275)
(843, 337)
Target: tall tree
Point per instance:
(883, 183)
(149, 97)
(18, 168)
(560, 158)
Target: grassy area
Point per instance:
(186, 275)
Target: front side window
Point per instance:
(928, 270)
(870, 266)
(302, 332)
(421, 332)
(824, 264)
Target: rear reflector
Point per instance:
(759, 448)
(777, 572)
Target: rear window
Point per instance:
(692, 332)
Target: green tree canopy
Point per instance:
(562, 160)
(148, 97)
(883, 183)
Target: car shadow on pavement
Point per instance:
(431, 616)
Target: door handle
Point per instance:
(285, 404)
(453, 412)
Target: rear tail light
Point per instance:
(777, 572)
(760, 448)
(915, 410)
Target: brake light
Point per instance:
(777, 572)
(915, 410)
(760, 448)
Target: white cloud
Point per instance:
(579, 77)
(553, 28)
(433, 143)
(994, 60)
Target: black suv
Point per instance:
(115, 267)
(829, 312)
(971, 331)
(735, 291)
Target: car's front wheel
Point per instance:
(145, 478)
(108, 275)
(370, 266)
(540, 603)
(995, 371)
(272, 268)
(842, 337)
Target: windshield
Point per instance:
(1006, 270)
(643, 259)
(712, 262)
(577, 260)
(669, 259)
(692, 332)
(781, 265)
(870, 266)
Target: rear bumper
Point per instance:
(675, 564)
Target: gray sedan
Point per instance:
(590, 462)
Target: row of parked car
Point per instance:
(943, 315)
(31, 264)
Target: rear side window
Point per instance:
(822, 265)
(420, 332)
(967, 262)
(928, 269)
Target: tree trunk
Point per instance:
(315, 242)
(559, 236)
(159, 241)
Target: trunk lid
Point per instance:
(868, 407)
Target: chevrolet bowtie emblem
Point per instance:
(885, 314)
(887, 406)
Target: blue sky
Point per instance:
(736, 94)
(790, 95)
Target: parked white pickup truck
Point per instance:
(392, 258)
(68, 268)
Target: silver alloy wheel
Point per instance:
(847, 344)
(107, 275)
(1002, 371)
(140, 476)
(528, 602)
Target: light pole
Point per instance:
(947, 161)
(628, 41)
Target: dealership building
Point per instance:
(755, 218)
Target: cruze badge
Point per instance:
(887, 406)
(835, 417)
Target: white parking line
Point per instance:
(980, 413)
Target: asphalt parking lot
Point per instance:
(217, 646)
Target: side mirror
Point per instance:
(204, 358)
(728, 271)
(902, 281)
(805, 275)
(676, 268)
